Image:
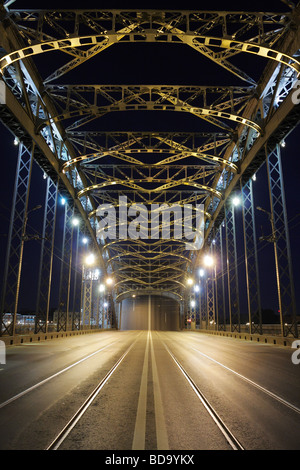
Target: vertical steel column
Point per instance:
(220, 282)
(211, 317)
(251, 259)
(102, 310)
(77, 292)
(197, 305)
(87, 298)
(95, 299)
(232, 271)
(65, 273)
(46, 258)
(202, 299)
(97, 303)
(281, 241)
(17, 228)
(110, 310)
(192, 309)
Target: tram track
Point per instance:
(53, 376)
(223, 428)
(164, 394)
(63, 434)
(229, 436)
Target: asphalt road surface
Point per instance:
(149, 390)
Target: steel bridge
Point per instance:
(150, 261)
(75, 130)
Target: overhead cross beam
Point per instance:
(241, 119)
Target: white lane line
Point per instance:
(231, 439)
(140, 422)
(161, 432)
(268, 392)
(30, 389)
(61, 437)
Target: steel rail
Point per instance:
(63, 434)
(230, 438)
(42, 382)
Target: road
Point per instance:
(156, 391)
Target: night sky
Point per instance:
(154, 64)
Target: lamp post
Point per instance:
(24, 238)
(209, 262)
(272, 239)
(87, 285)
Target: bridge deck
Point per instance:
(165, 390)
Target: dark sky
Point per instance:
(159, 66)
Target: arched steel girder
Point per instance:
(158, 255)
(181, 203)
(95, 101)
(124, 155)
(150, 25)
(194, 40)
(175, 141)
(275, 130)
(160, 281)
(149, 255)
(174, 266)
(205, 113)
(155, 292)
(132, 185)
(229, 51)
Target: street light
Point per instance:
(190, 281)
(236, 201)
(208, 261)
(24, 238)
(273, 239)
(201, 272)
(75, 221)
(90, 259)
(109, 281)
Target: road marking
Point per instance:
(21, 394)
(140, 422)
(161, 432)
(141, 417)
(268, 392)
(60, 438)
(231, 439)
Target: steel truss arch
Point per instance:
(263, 113)
(197, 41)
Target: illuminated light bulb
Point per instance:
(90, 259)
(208, 260)
(236, 201)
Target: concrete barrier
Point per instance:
(255, 338)
(33, 338)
